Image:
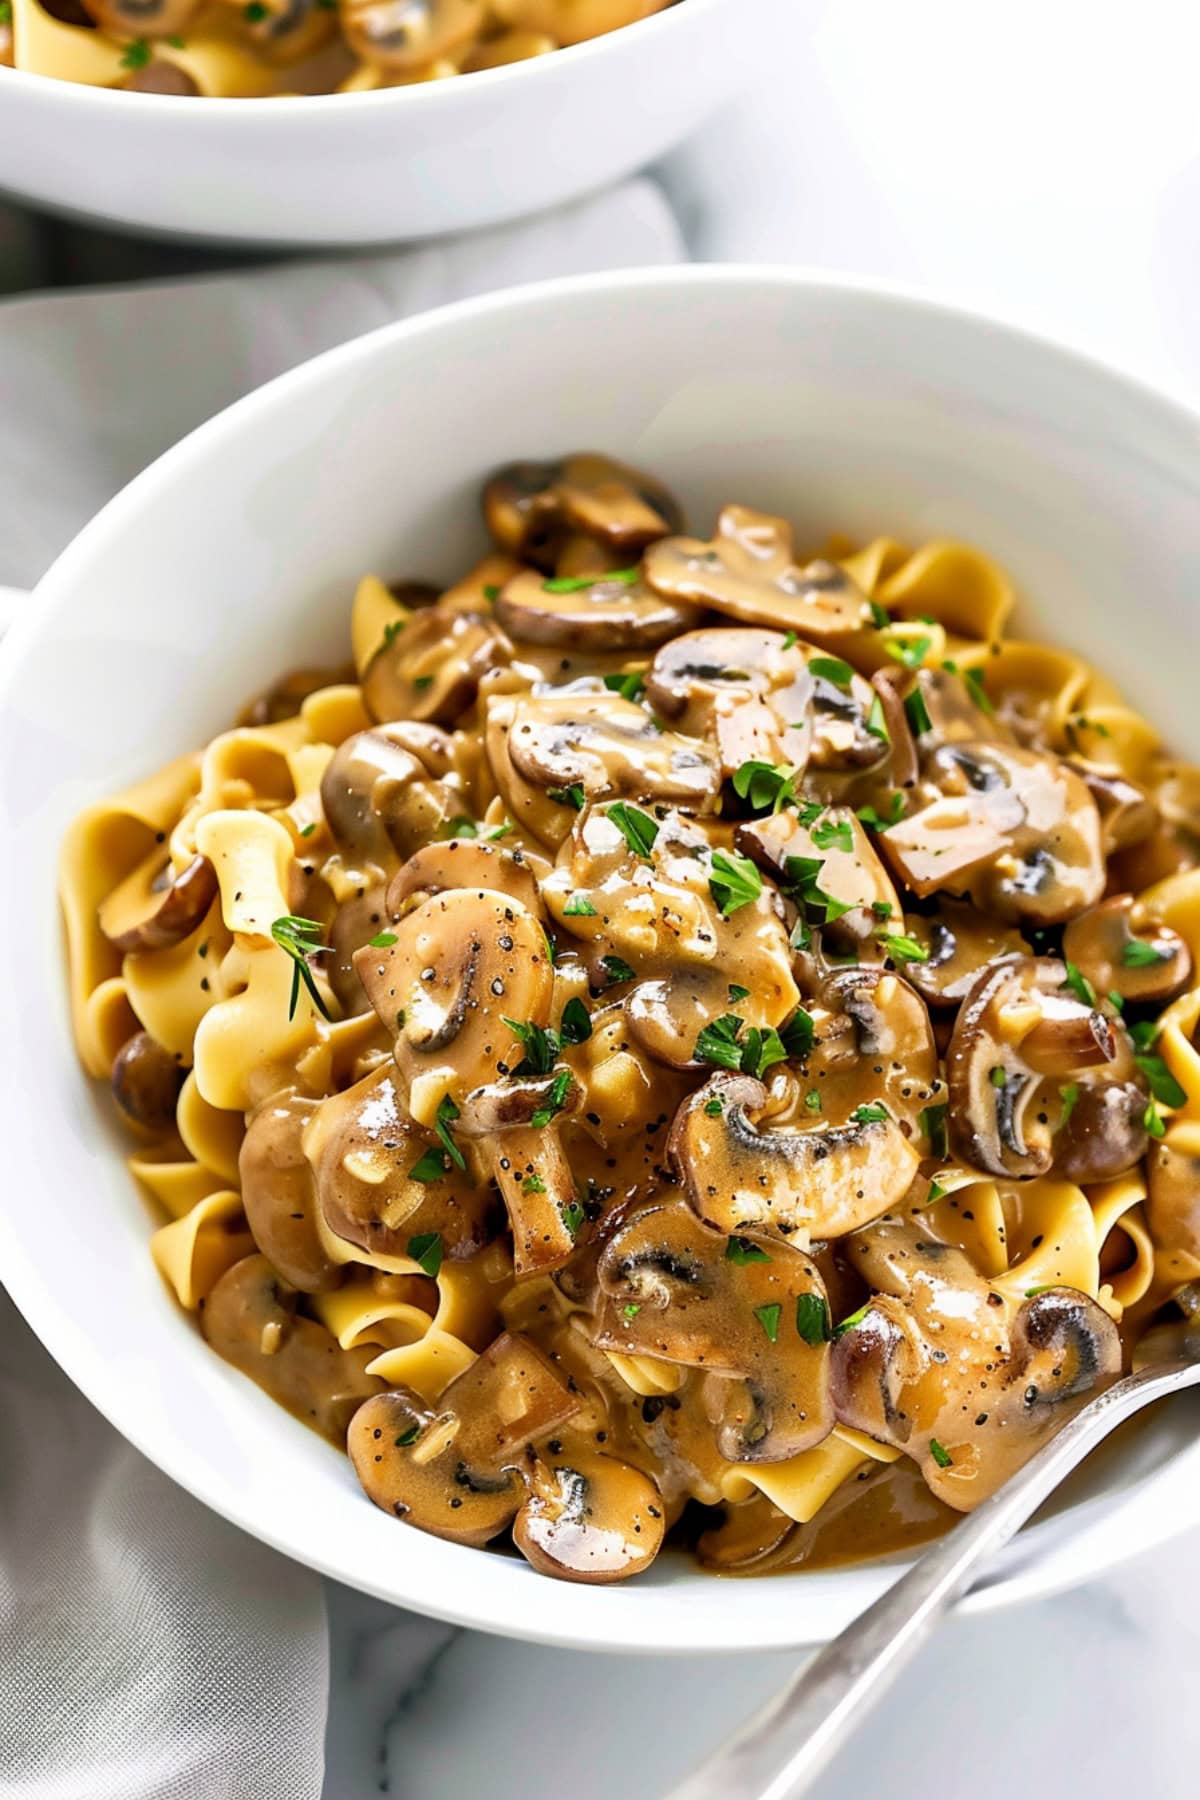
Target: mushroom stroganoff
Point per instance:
(676, 1037)
(276, 47)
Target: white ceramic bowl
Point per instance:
(235, 555)
(377, 168)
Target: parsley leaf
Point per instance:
(812, 1318)
(769, 1317)
(445, 1116)
(798, 1034)
(876, 820)
(718, 1042)
(765, 786)
(630, 687)
(876, 723)
(553, 1100)
(737, 993)
(1138, 954)
(933, 1124)
(575, 584)
(940, 1454)
(617, 969)
(734, 881)
(714, 1107)
(137, 55)
(909, 651)
(636, 827)
(1163, 1084)
(427, 1250)
(579, 907)
(812, 1101)
(833, 834)
(870, 1115)
(1079, 985)
(917, 713)
(300, 939)
(430, 1166)
(831, 668)
(576, 1022)
(573, 1217)
(383, 940)
(541, 1047)
(1152, 1119)
(851, 1320)
(974, 681)
(745, 1250)
(568, 796)
(1069, 1094)
(902, 949)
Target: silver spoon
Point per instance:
(781, 1750)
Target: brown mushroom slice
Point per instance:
(453, 1469)
(379, 801)
(667, 1014)
(596, 612)
(1122, 950)
(146, 1080)
(1128, 815)
(1173, 1195)
(793, 1184)
(432, 666)
(462, 962)
(405, 36)
(279, 1195)
(1016, 830)
(668, 1288)
(470, 863)
(874, 1047)
(848, 872)
(250, 1319)
(354, 924)
(362, 1148)
(1023, 1037)
(515, 1123)
(154, 908)
(948, 1370)
(531, 507)
(589, 1518)
(749, 572)
(960, 941)
(608, 746)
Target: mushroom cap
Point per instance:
(406, 35)
(607, 746)
(1128, 815)
(355, 922)
(667, 1288)
(749, 572)
(961, 942)
(531, 507)
(454, 1468)
(146, 1080)
(589, 1518)
(1121, 949)
(1021, 1034)
(278, 1193)
(848, 871)
(154, 909)
(250, 1319)
(1173, 1196)
(379, 800)
(432, 666)
(873, 1045)
(604, 614)
(462, 962)
(470, 863)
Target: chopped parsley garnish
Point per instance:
(431, 1166)
(541, 1047)
(765, 786)
(495, 832)
(1138, 954)
(383, 940)
(917, 713)
(1163, 1084)
(462, 827)
(798, 1034)
(812, 1101)
(870, 816)
(853, 1319)
(391, 631)
(810, 812)
(579, 907)
(630, 687)
(876, 723)
(533, 1184)
(632, 1310)
(812, 1318)
(573, 1217)
(790, 638)
(1115, 1000)
(576, 1022)
(974, 681)
(882, 909)
(1033, 1292)
(307, 830)
(833, 834)
(444, 1117)
(880, 616)
(568, 796)
(737, 993)
(1144, 1033)
(575, 584)
(734, 881)
(714, 1107)
(745, 1250)
(1069, 1095)
(137, 55)
(936, 1192)
(769, 1317)
(832, 668)
(408, 1437)
(636, 827)
(718, 1042)
(933, 1124)
(300, 939)
(909, 651)
(1152, 1119)
(616, 968)
(491, 592)
(421, 682)
(940, 1454)
(1079, 985)
(870, 1115)
(553, 1100)
(902, 949)
(255, 13)
(427, 1251)
(800, 875)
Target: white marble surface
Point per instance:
(1040, 161)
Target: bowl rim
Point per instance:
(1102, 1536)
(255, 108)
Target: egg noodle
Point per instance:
(241, 50)
(673, 1026)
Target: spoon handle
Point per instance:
(779, 1752)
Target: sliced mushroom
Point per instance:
(286, 31)
(405, 36)
(1173, 1195)
(432, 666)
(356, 921)
(589, 1518)
(1122, 950)
(960, 942)
(1016, 831)
(949, 1370)
(606, 745)
(470, 863)
(155, 909)
(749, 572)
(1038, 1079)
(833, 852)
(873, 1047)
(792, 1184)
(250, 1319)
(453, 1469)
(278, 1193)
(379, 801)
(516, 1124)
(146, 1080)
(362, 1147)
(461, 964)
(667, 1287)
(531, 508)
(1128, 816)
(599, 612)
